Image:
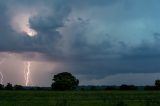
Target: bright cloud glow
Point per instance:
(20, 23)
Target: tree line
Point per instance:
(62, 81)
(66, 81)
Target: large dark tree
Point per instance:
(64, 81)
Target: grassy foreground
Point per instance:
(79, 98)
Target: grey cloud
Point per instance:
(45, 25)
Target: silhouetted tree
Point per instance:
(1, 87)
(157, 83)
(9, 86)
(18, 87)
(64, 81)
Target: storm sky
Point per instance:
(101, 42)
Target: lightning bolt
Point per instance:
(27, 72)
(1, 77)
(1, 74)
(25, 77)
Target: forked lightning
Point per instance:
(27, 72)
(1, 74)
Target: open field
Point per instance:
(80, 98)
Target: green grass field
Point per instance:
(80, 98)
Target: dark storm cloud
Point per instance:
(91, 37)
(44, 24)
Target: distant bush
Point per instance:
(128, 87)
(110, 88)
(149, 88)
(18, 87)
(9, 86)
(93, 88)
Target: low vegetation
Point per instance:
(65, 91)
(79, 98)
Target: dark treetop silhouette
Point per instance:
(64, 81)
